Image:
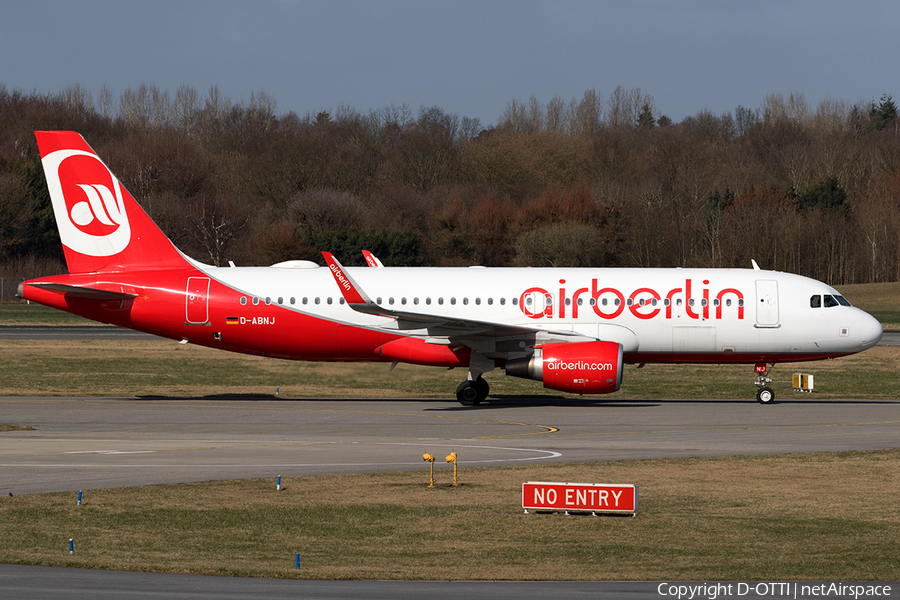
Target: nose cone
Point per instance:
(868, 330)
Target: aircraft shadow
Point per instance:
(502, 401)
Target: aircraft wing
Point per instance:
(359, 301)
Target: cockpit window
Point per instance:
(815, 301)
(830, 301)
(842, 301)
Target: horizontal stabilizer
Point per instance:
(75, 291)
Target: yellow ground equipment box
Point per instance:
(803, 382)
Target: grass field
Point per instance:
(162, 368)
(827, 516)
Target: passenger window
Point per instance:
(490, 301)
(403, 301)
(428, 301)
(391, 301)
(502, 301)
(243, 300)
(440, 301)
(815, 301)
(280, 300)
(255, 300)
(415, 301)
(515, 301)
(268, 300)
(728, 302)
(341, 300)
(293, 300)
(317, 299)
(329, 299)
(740, 301)
(453, 301)
(304, 300)
(477, 301)
(678, 302)
(465, 301)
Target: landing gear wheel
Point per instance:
(765, 395)
(471, 393)
(483, 388)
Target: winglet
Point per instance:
(371, 259)
(351, 291)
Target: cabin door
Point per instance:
(766, 303)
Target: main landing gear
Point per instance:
(472, 392)
(764, 395)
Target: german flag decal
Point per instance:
(232, 320)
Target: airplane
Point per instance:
(571, 328)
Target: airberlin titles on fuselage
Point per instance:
(643, 302)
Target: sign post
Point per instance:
(591, 498)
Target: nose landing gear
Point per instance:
(764, 395)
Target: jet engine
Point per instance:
(577, 367)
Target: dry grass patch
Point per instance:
(14, 427)
(802, 516)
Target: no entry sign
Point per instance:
(583, 497)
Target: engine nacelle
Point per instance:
(577, 367)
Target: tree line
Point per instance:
(590, 181)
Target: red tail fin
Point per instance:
(101, 226)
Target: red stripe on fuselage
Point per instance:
(263, 329)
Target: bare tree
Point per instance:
(556, 115)
(77, 98)
(185, 109)
(106, 102)
(215, 225)
(587, 114)
(144, 108)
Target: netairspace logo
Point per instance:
(794, 590)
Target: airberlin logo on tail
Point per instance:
(87, 200)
